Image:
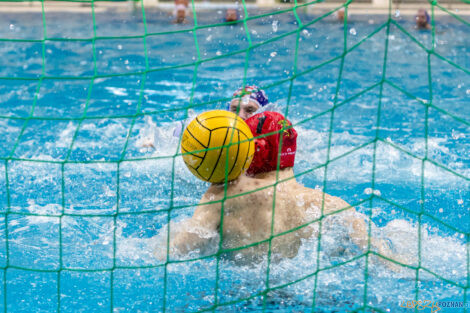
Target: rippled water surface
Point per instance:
(90, 167)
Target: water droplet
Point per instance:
(126, 62)
(119, 47)
(353, 32)
(12, 26)
(273, 54)
(306, 32)
(275, 25)
(441, 210)
(468, 91)
(397, 13)
(209, 38)
(218, 52)
(460, 201)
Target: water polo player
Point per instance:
(247, 100)
(423, 19)
(248, 206)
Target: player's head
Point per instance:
(340, 15)
(180, 13)
(266, 154)
(247, 100)
(231, 15)
(422, 18)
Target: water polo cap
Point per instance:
(180, 7)
(428, 18)
(267, 148)
(253, 92)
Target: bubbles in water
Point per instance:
(273, 54)
(353, 32)
(306, 33)
(275, 25)
(369, 191)
(468, 91)
(456, 135)
(119, 47)
(460, 201)
(218, 52)
(12, 27)
(209, 38)
(397, 13)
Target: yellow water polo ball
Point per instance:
(217, 144)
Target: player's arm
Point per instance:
(360, 237)
(196, 232)
(355, 222)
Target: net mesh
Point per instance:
(300, 26)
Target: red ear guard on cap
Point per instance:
(267, 148)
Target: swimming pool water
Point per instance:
(86, 110)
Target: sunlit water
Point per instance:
(87, 243)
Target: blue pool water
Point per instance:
(79, 263)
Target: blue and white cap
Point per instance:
(255, 94)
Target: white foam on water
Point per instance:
(390, 161)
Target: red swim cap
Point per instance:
(267, 148)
